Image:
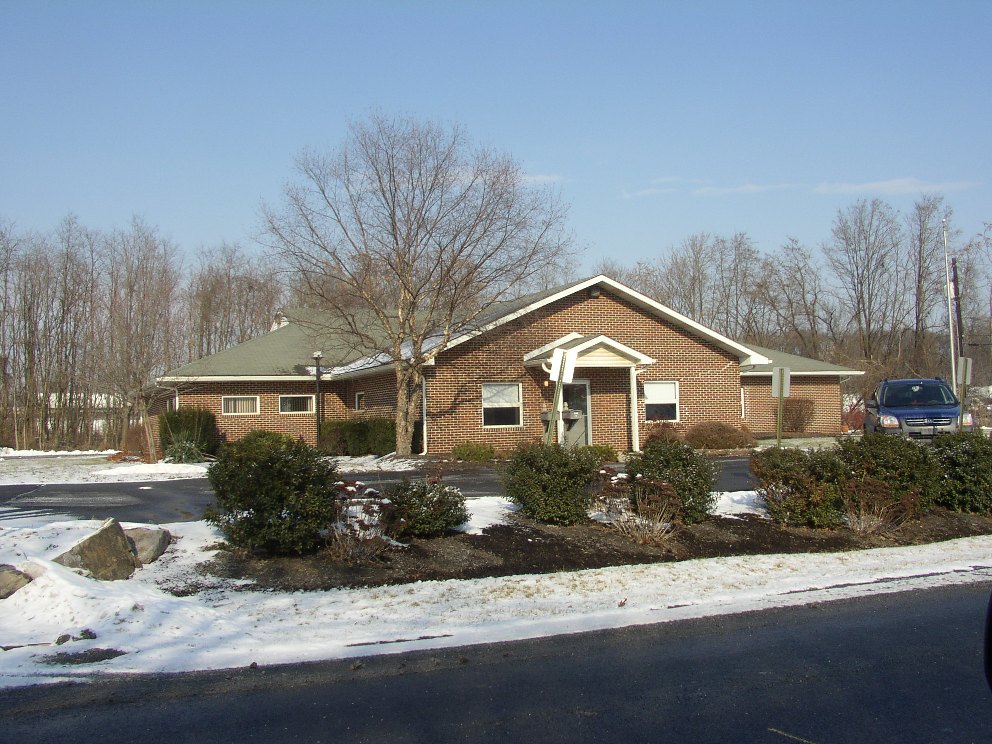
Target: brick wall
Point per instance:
(235, 426)
(710, 386)
(760, 408)
(708, 377)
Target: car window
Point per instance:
(918, 394)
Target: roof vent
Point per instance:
(279, 321)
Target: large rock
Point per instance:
(11, 580)
(149, 542)
(106, 554)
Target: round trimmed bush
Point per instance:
(691, 475)
(800, 488)
(273, 493)
(550, 482)
(425, 509)
(718, 435)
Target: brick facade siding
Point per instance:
(760, 408)
(709, 383)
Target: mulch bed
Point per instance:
(524, 546)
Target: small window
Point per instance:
(239, 405)
(295, 404)
(359, 401)
(501, 404)
(661, 401)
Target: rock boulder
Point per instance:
(11, 580)
(149, 542)
(106, 554)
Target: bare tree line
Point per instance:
(88, 318)
(871, 296)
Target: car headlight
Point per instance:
(888, 422)
(967, 420)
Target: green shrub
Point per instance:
(718, 435)
(273, 493)
(189, 426)
(800, 488)
(602, 453)
(425, 508)
(357, 437)
(908, 467)
(691, 475)
(184, 451)
(550, 482)
(474, 452)
(966, 460)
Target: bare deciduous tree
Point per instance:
(230, 298)
(867, 259)
(418, 233)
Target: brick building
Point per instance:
(634, 363)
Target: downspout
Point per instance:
(423, 413)
(635, 428)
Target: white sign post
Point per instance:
(780, 390)
(562, 371)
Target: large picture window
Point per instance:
(501, 404)
(295, 404)
(661, 401)
(239, 405)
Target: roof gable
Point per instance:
(525, 305)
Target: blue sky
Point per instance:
(655, 120)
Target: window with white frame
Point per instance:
(239, 405)
(661, 401)
(359, 401)
(501, 404)
(295, 404)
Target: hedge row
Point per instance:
(874, 482)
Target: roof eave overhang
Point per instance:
(816, 373)
(170, 379)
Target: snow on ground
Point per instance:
(223, 626)
(88, 467)
(371, 464)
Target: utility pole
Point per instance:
(949, 289)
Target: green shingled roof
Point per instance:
(287, 350)
(796, 364)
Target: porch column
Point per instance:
(635, 429)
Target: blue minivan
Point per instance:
(917, 408)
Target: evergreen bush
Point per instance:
(358, 437)
(473, 452)
(194, 428)
(691, 475)
(602, 453)
(550, 482)
(966, 461)
(425, 508)
(273, 493)
(910, 468)
(800, 488)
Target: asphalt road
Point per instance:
(183, 500)
(890, 668)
